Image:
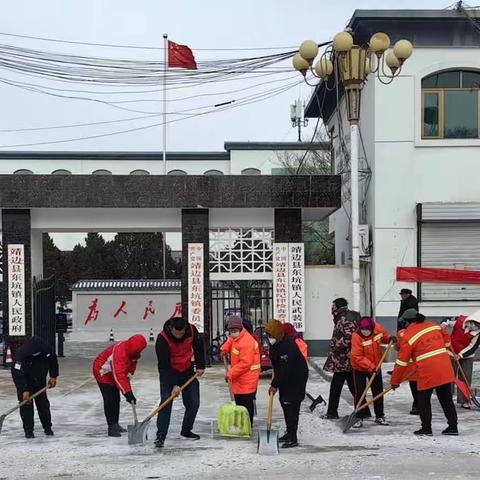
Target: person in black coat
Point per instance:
(290, 378)
(32, 362)
(408, 301)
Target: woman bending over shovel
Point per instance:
(290, 378)
(111, 369)
(366, 355)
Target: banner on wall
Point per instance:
(16, 290)
(438, 275)
(289, 284)
(195, 286)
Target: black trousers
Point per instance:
(444, 394)
(43, 409)
(336, 386)
(361, 379)
(246, 400)
(291, 413)
(111, 402)
(413, 389)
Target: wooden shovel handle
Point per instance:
(170, 398)
(225, 364)
(24, 402)
(270, 412)
(462, 371)
(374, 374)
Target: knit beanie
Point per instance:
(234, 322)
(340, 302)
(275, 329)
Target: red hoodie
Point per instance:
(114, 364)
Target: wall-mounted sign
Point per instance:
(280, 282)
(297, 286)
(195, 286)
(16, 290)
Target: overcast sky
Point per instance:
(201, 25)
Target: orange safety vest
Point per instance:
(245, 359)
(426, 344)
(302, 346)
(367, 351)
(411, 370)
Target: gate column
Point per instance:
(195, 229)
(16, 231)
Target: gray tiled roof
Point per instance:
(127, 285)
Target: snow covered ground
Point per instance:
(81, 450)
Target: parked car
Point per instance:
(265, 362)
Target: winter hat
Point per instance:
(366, 323)
(289, 330)
(405, 291)
(136, 344)
(411, 315)
(275, 329)
(178, 323)
(234, 322)
(340, 302)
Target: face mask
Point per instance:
(272, 341)
(366, 333)
(235, 334)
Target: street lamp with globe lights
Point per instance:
(353, 64)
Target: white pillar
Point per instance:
(354, 141)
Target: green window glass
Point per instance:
(461, 114)
(430, 115)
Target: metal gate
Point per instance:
(249, 299)
(44, 309)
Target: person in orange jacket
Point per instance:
(426, 344)
(245, 364)
(410, 373)
(366, 353)
(289, 330)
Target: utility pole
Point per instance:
(297, 111)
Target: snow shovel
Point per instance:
(365, 405)
(21, 404)
(135, 422)
(137, 434)
(347, 422)
(268, 439)
(233, 419)
(464, 387)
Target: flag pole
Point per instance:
(165, 65)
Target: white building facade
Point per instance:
(419, 166)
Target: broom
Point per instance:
(233, 419)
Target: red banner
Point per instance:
(180, 56)
(437, 275)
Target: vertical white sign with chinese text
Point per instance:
(297, 285)
(195, 286)
(16, 290)
(280, 282)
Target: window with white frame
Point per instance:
(241, 250)
(450, 105)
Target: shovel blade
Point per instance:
(267, 443)
(137, 434)
(347, 422)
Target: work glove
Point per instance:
(272, 391)
(130, 398)
(52, 382)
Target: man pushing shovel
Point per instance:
(179, 347)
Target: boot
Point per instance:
(284, 438)
(330, 416)
(159, 441)
(292, 442)
(190, 435)
(29, 434)
(424, 432)
(450, 431)
(120, 428)
(381, 421)
(113, 431)
(414, 411)
(48, 431)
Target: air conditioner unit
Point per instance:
(364, 240)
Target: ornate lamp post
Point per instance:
(353, 64)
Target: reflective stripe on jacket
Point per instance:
(366, 351)
(245, 359)
(426, 344)
(411, 370)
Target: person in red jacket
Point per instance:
(111, 369)
(426, 344)
(366, 353)
(289, 330)
(245, 364)
(465, 342)
(410, 373)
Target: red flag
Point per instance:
(438, 275)
(180, 56)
